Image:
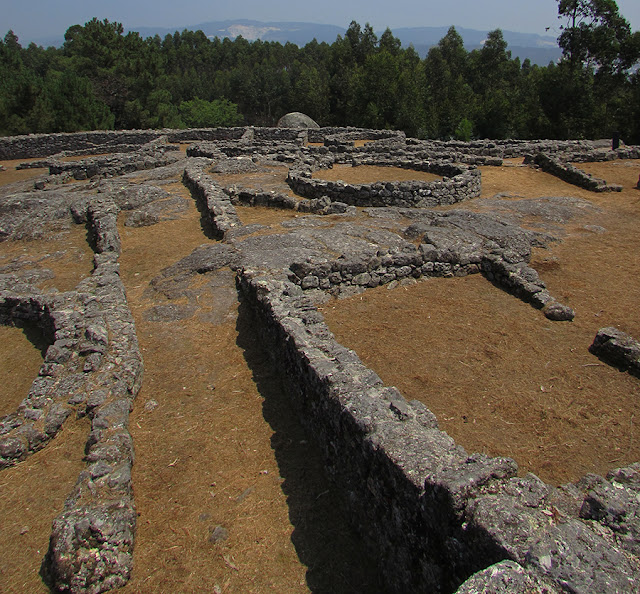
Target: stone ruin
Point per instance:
(438, 518)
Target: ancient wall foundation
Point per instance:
(433, 514)
(465, 183)
(93, 367)
(437, 518)
(573, 175)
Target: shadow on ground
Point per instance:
(36, 336)
(336, 559)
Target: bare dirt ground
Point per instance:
(366, 174)
(206, 458)
(219, 452)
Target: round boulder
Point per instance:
(558, 313)
(296, 119)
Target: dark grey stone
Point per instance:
(617, 348)
(90, 547)
(559, 312)
(506, 577)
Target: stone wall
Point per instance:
(433, 514)
(350, 135)
(93, 367)
(617, 348)
(44, 145)
(96, 142)
(321, 206)
(213, 202)
(436, 517)
(147, 157)
(573, 175)
(465, 184)
(75, 332)
(313, 156)
(449, 258)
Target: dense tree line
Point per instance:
(102, 78)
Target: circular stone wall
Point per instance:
(459, 182)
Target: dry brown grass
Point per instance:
(32, 494)
(19, 364)
(366, 174)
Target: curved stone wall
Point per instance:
(573, 175)
(464, 183)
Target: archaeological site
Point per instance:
(318, 360)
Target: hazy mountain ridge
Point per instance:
(538, 48)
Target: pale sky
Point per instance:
(36, 19)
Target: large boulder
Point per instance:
(296, 119)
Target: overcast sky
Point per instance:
(35, 19)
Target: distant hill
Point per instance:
(539, 49)
(298, 33)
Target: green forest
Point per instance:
(102, 78)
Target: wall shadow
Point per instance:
(37, 336)
(336, 559)
(205, 216)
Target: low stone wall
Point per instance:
(573, 175)
(44, 145)
(207, 134)
(293, 135)
(436, 517)
(147, 157)
(277, 200)
(431, 513)
(107, 141)
(350, 135)
(315, 157)
(77, 334)
(91, 546)
(427, 260)
(96, 142)
(464, 184)
(565, 150)
(391, 152)
(94, 368)
(217, 205)
(617, 348)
